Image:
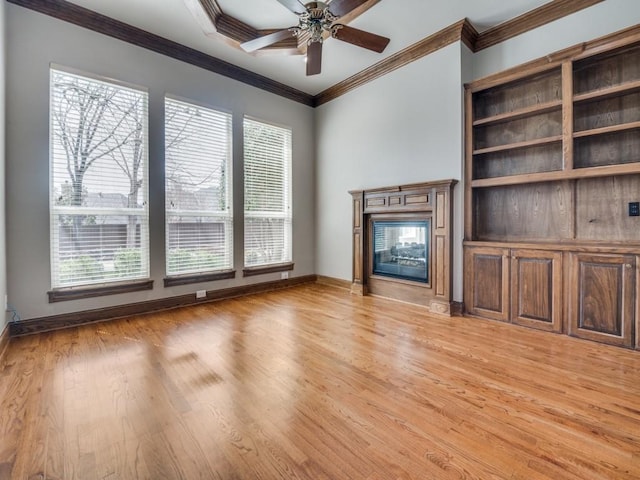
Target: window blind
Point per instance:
(199, 220)
(267, 194)
(98, 193)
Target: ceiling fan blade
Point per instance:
(342, 7)
(363, 39)
(266, 40)
(294, 5)
(314, 58)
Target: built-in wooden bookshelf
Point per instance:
(552, 166)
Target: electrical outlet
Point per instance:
(284, 275)
(634, 209)
(201, 294)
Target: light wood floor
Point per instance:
(313, 383)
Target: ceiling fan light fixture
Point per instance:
(316, 21)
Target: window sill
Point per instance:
(78, 293)
(198, 278)
(264, 269)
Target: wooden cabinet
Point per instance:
(602, 303)
(487, 278)
(536, 289)
(518, 286)
(552, 164)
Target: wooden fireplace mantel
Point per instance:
(430, 200)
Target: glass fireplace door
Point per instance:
(401, 249)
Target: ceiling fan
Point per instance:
(314, 20)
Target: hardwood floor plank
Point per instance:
(316, 383)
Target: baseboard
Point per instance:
(57, 322)
(4, 342)
(457, 309)
(334, 282)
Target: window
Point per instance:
(267, 194)
(199, 222)
(98, 204)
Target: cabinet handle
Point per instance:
(628, 265)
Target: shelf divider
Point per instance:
(525, 144)
(559, 175)
(623, 89)
(603, 130)
(520, 113)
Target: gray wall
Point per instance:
(3, 248)
(404, 127)
(407, 126)
(36, 41)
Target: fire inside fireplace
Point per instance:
(401, 249)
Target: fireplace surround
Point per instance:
(401, 248)
(402, 243)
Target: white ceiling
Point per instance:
(405, 22)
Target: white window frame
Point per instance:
(225, 216)
(286, 214)
(55, 210)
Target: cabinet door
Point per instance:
(536, 289)
(602, 298)
(487, 282)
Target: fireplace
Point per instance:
(402, 243)
(401, 249)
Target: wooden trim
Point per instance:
(604, 130)
(66, 294)
(567, 115)
(554, 60)
(334, 282)
(468, 167)
(65, 320)
(4, 343)
(457, 309)
(469, 35)
(607, 92)
(198, 278)
(611, 41)
(604, 170)
(528, 21)
(83, 17)
(518, 72)
(579, 246)
(428, 200)
(430, 44)
(529, 111)
(524, 144)
(465, 32)
(216, 22)
(281, 267)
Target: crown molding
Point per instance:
(462, 31)
(217, 24)
(528, 21)
(432, 43)
(214, 22)
(83, 17)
